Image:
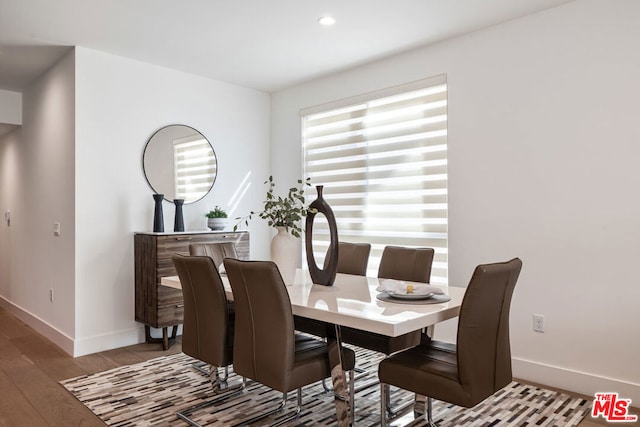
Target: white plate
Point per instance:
(411, 296)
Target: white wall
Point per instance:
(120, 104)
(543, 164)
(77, 160)
(10, 107)
(37, 186)
(9, 155)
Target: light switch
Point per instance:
(56, 228)
(7, 217)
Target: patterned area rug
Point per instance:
(151, 393)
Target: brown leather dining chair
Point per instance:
(479, 364)
(353, 258)
(216, 251)
(207, 331)
(402, 263)
(266, 348)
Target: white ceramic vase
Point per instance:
(284, 252)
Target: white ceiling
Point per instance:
(263, 44)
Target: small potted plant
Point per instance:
(216, 218)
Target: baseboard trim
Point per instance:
(108, 341)
(60, 339)
(75, 347)
(574, 381)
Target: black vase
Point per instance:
(327, 275)
(158, 220)
(178, 222)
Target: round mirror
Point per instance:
(179, 162)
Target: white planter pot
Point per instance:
(285, 253)
(217, 223)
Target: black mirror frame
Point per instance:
(144, 151)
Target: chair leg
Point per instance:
(221, 382)
(185, 415)
(361, 372)
(399, 410)
(199, 366)
(224, 379)
(391, 412)
(385, 416)
(295, 414)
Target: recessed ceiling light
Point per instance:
(327, 21)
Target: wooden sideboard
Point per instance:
(159, 306)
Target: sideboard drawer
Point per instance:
(169, 296)
(169, 315)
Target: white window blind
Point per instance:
(195, 167)
(382, 158)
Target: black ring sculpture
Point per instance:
(328, 275)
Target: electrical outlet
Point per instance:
(538, 323)
(51, 295)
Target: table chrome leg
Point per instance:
(430, 413)
(383, 404)
(341, 399)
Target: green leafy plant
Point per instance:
(282, 211)
(217, 212)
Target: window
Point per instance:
(382, 158)
(195, 167)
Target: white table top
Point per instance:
(352, 302)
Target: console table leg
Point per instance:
(166, 340)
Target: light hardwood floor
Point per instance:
(31, 366)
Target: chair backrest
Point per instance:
(411, 264)
(206, 332)
(216, 251)
(353, 258)
(483, 347)
(264, 343)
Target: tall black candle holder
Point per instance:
(158, 220)
(178, 222)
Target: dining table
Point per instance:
(356, 302)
